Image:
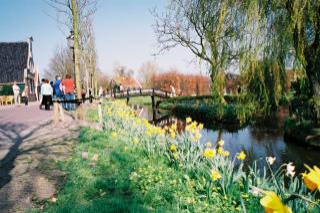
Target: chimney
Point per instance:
(30, 40)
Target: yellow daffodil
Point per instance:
(200, 126)
(149, 132)
(273, 204)
(188, 120)
(135, 140)
(220, 150)
(312, 179)
(175, 155)
(197, 137)
(209, 153)
(241, 155)
(173, 135)
(220, 142)
(225, 153)
(215, 175)
(174, 127)
(208, 144)
(173, 148)
(114, 134)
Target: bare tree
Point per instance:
(146, 72)
(207, 28)
(60, 64)
(122, 71)
(103, 79)
(77, 17)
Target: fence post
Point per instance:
(55, 112)
(100, 114)
(58, 113)
(128, 96)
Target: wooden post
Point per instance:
(128, 96)
(55, 112)
(61, 111)
(100, 115)
(152, 100)
(140, 92)
(58, 114)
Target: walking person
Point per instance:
(57, 88)
(25, 94)
(68, 84)
(16, 93)
(46, 92)
(40, 93)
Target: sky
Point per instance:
(123, 31)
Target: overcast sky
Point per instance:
(123, 31)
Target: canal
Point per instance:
(257, 141)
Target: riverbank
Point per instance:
(133, 166)
(204, 108)
(302, 133)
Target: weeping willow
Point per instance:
(261, 37)
(284, 34)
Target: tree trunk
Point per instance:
(217, 87)
(76, 46)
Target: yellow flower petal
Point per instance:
(220, 142)
(215, 175)
(312, 179)
(241, 155)
(273, 204)
(209, 153)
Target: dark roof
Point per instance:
(13, 61)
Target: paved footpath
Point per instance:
(30, 146)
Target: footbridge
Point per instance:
(153, 93)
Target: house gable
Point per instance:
(13, 61)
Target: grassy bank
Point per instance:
(146, 100)
(133, 166)
(205, 109)
(302, 132)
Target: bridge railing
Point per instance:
(140, 92)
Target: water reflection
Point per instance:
(258, 141)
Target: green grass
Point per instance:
(106, 187)
(113, 186)
(136, 171)
(205, 109)
(146, 100)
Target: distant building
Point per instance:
(17, 64)
(181, 84)
(130, 83)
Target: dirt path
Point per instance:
(30, 146)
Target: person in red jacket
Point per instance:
(68, 87)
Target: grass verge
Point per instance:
(133, 166)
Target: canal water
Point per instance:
(257, 141)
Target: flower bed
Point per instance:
(144, 168)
